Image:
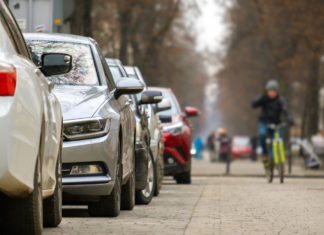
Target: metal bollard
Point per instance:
(228, 162)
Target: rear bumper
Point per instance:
(19, 145)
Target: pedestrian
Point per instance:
(224, 144)
(199, 147)
(211, 145)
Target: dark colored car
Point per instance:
(177, 133)
(146, 159)
(99, 126)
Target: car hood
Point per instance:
(79, 102)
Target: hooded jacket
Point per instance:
(272, 109)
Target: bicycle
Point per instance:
(277, 153)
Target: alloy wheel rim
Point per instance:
(150, 178)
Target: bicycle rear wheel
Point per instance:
(268, 166)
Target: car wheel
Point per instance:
(159, 172)
(145, 196)
(25, 216)
(52, 206)
(185, 177)
(110, 205)
(128, 192)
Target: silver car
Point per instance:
(99, 126)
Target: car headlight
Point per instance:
(175, 129)
(86, 128)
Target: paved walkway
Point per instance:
(215, 205)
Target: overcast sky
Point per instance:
(211, 29)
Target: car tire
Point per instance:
(144, 197)
(110, 205)
(128, 192)
(52, 206)
(185, 177)
(159, 172)
(25, 216)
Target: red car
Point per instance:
(241, 147)
(177, 138)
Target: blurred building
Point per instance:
(43, 15)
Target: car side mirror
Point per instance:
(151, 97)
(128, 86)
(55, 64)
(191, 112)
(165, 104)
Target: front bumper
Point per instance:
(97, 150)
(175, 161)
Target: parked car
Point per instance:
(241, 147)
(99, 127)
(177, 133)
(145, 161)
(30, 138)
(154, 126)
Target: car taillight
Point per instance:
(8, 78)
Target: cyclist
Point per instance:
(273, 105)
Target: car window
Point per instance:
(131, 72)
(83, 70)
(116, 73)
(6, 42)
(241, 142)
(174, 107)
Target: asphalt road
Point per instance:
(215, 205)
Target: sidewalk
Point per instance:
(246, 168)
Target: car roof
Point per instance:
(130, 70)
(162, 89)
(113, 61)
(58, 37)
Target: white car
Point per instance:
(30, 137)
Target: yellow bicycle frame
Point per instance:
(278, 143)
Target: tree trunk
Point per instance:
(313, 98)
(81, 23)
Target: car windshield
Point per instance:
(174, 108)
(241, 142)
(83, 70)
